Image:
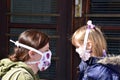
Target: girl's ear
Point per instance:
(89, 45)
(31, 53)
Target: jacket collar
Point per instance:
(111, 62)
(92, 60)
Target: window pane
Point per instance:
(30, 10)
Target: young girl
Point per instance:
(91, 46)
(31, 55)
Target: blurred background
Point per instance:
(59, 19)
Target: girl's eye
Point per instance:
(77, 46)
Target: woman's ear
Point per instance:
(31, 53)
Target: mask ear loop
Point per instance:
(25, 46)
(89, 26)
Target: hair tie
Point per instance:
(104, 53)
(90, 25)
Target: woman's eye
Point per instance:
(47, 50)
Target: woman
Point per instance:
(31, 55)
(91, 46)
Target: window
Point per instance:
(106, 13)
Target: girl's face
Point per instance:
(78, 45)
(84, 54)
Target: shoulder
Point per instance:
(18, 74)
(105, 69)
(98, 71)
(23, 75)
(97, 68)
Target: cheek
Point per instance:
(37, 57)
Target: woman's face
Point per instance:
(44, 49)
(36, 59)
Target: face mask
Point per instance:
(84, 54)
(45, 60)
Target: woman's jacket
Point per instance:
(15, 71)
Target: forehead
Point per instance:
(77, 43)
(46, 47)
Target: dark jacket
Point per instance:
(100, 69)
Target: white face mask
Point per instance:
(44, 61)
(84, 54)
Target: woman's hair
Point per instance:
(32, 38)
(95, 36)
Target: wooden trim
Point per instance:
(102, 15)
(110, 28)
(31, 25)
(54, 36)
(28, 14)
(111, 38)
(87, 10)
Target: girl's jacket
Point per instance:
(15, 71)
(107, 68)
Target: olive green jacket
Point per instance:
(15, 71)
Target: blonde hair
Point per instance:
(95, 36)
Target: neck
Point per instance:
(33, 67)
